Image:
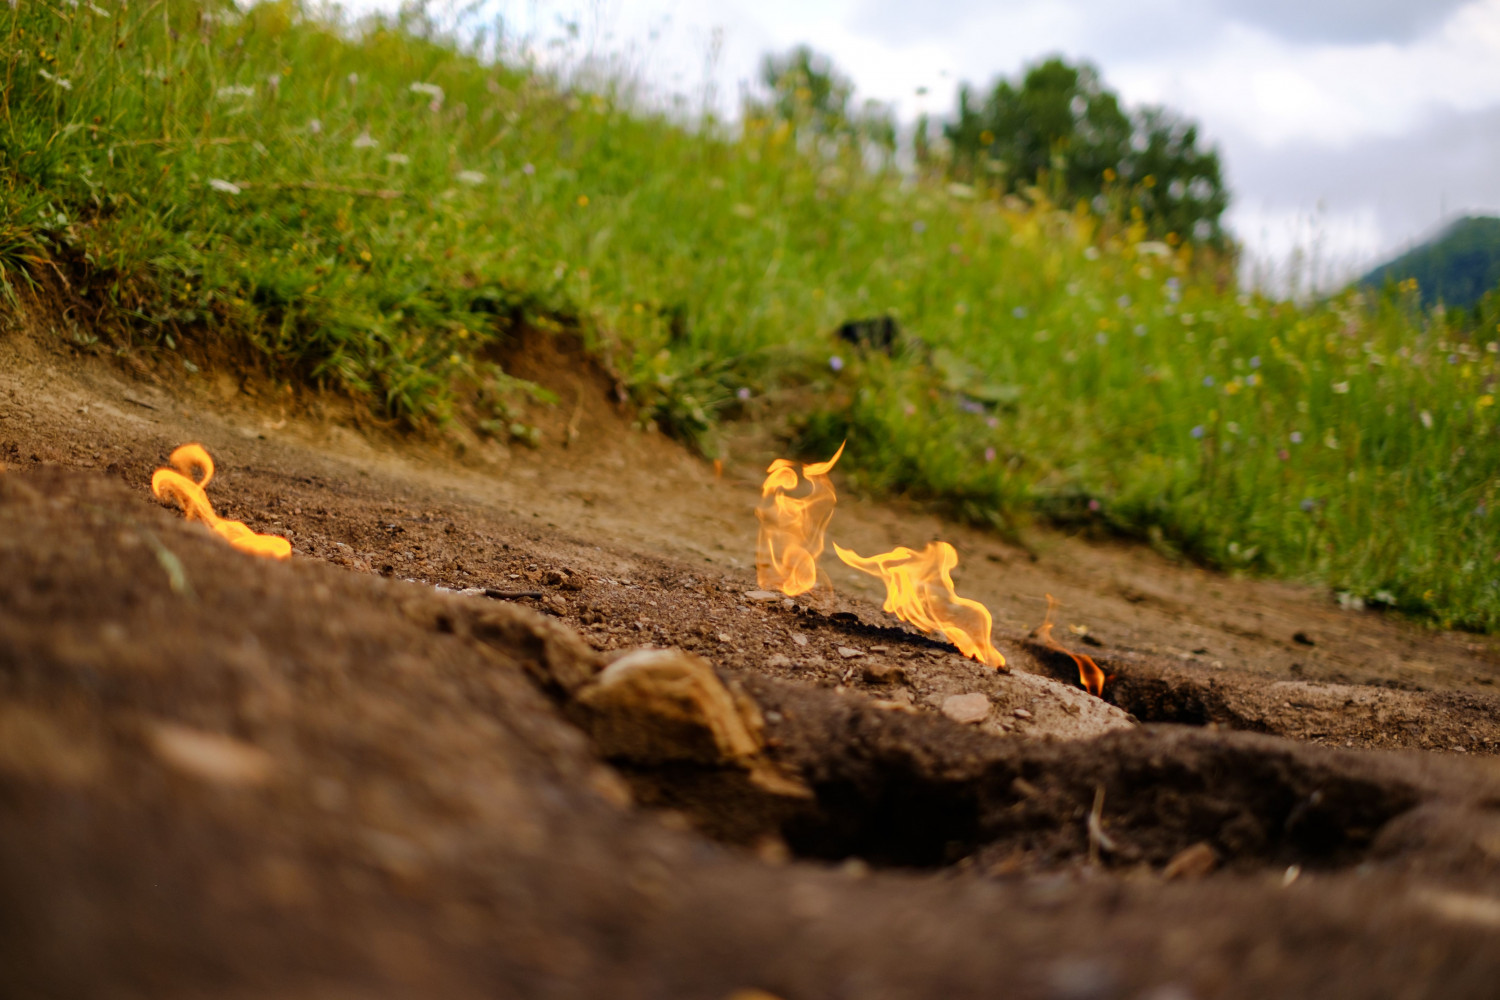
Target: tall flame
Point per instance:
(1089, 674)
(176, 484)
(919, 590)
(791, 528)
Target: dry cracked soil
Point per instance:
(517, 722)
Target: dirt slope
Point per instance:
(326, 777)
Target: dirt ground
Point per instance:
(357, 773)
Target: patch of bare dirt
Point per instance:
(357, 773)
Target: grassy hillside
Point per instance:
(372, 211)
(1458, 267)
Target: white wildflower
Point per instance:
(470, 177)
(363, 141)
(353, 79)
(430, 89)
(1153, 248)
(398, 159)
(61, 81)
(1340, 388)
(239, 90)
(315, 126)
(228, 187)
(274, 80)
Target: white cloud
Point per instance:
(1340, 21)
(1279, 91)
(1358, 104)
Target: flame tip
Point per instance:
(177, 485)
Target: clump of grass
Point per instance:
(374, 208)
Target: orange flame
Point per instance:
(179, 487)
(1089, 674)
(791, 528)
(919, 590)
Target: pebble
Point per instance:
(209, 756)
(762, 596)
(848, 653)
(883, 673)
(724, 637)
(1191, 862)
(1021, 713)
(966, 709)
(799, 639)
(779, 660)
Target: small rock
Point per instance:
(789, 604)
(762, 596)
(779, 661)
(211, 757)
(724, 637)
(848, 653)
(772, 850)
(799, 639)
(1021, 713)
(883, 673)
(655, 705)
(1082, 979)
(1191, 862)
(855, 867)
(966, 709)
(552, 604)
(880, 649)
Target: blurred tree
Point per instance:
(1062, 129)
(813, 97)
(1177, 187)
(807, 91)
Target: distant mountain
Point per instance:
(1456, 267)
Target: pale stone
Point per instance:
(1191, 862)
(966, 709)
(210, 756)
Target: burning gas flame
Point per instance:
(919, 590)
(176, 484)
(1089, 674)
(791, 528)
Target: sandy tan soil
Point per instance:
(328, 777)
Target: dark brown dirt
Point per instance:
(221, 775)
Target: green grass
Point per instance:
(357, 233)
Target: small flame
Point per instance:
(791, 528)
(1089, 674)
(179, 487)
(919, 590)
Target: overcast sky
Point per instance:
(1359, 124)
